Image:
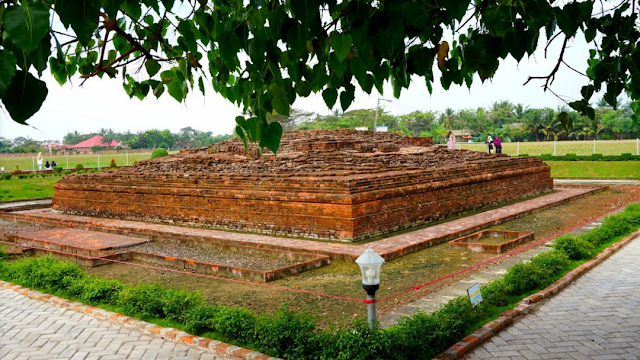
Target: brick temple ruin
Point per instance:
(342, 185)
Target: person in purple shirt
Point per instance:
(498, 144)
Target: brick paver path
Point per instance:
(35, 330)
(597, 318)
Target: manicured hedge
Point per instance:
(592, 157)
(291, 335)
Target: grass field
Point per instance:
(24, 189)
(26, 162)
(578, 147)
(595, 169)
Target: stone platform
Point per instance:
(337, 185)
(390, 248)
(89, 240)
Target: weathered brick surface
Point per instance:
(322, 184)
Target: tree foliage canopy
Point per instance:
(262, 55)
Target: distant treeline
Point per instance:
(512, 122)
(150, 139)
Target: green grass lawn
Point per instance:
(578, 147)
(595, 169)
(24, 189)
(90, 160)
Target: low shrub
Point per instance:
(159, 153)
(56, 169)
(576, 247)
(3, 253)
(538, 272)
(22, 176)
(66, 172)
(7, 176)
(79, 167)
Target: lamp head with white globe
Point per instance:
(370, 264)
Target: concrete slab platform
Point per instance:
(84, 239)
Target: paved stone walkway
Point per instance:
(34, 330)
(595, 318)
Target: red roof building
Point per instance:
(94, 141)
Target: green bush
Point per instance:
(57, 169)
(538, 272)
(159, 153)
(576, 247)
(523, 155)
(79, 167)
(6, 176)
(3, 253)
(22, 176)
(66, 172)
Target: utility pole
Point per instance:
(375, 121)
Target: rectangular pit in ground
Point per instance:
(473, 242)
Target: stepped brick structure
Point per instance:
(341, 185)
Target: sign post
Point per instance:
(475, 296)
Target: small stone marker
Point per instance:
(475, 296)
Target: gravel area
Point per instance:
(245, 260)
(14, 227)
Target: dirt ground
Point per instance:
(343, 279)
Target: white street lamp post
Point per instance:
(375, 121)
(370, 264)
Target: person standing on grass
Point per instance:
(452, 142)
(489, 143)
(498, 143)
(40, 161)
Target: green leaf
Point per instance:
(457, 8)
(341, 45)
(589, 34)
(297, 38)
(229, 45)
(152, 67)
(26, 24)
(358, 69)
(111, 6)
(201, 85)
(271, 138)
(347, 96)
(133, 8)
(281, 105)
(168, 4)
(7, 70)
(24, 96)
(337, 66)
(516, 42)
(304, 10)
(58, 70)
(175, 84)
(565, 120)
(569, 19)
(82, 15)
(242, 136)
(330, 96)
(40, 55)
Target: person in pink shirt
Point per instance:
(498, 144)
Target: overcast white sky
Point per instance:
(103, 103)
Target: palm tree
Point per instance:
(550, 125)
(533, 121)
(447, 118)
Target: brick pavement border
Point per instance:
(459, 349)
(169, 334)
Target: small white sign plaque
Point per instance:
(475, 297)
